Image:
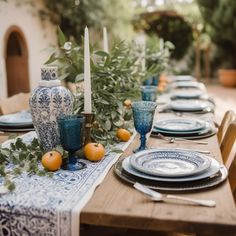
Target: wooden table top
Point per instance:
(116, 203)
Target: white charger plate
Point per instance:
(211, 171)
(215, 180)
(182, 78)
(20, 118)
(189, 105)
(180, 125)
(188, 94)
(170, 162)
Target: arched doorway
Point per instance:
(16, 55)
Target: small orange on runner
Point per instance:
(52, 160)
(123, 134)
(94, 151)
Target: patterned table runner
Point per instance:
(51, 206)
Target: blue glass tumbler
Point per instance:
(149, 93)
(71, 129)
(143, 114)
(155, 80)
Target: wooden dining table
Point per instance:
(117, 205)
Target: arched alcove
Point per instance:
(16, 56)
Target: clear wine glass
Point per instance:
(143, 114)
(71, 130)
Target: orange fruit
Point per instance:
(94, 151)
(123, 134)
(127, 103)
(52, 160)
(161, 88)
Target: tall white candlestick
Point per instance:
(105, 40)
(161, 44)
(87, 76)
(141, 42)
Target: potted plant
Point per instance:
(218, 16)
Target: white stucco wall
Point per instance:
(39, 36)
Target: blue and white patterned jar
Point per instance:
(49, 101)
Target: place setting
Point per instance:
(180, 78)
(171, 170)
(183, 128)
(187, 84)
(189, 94)
(16, 122)
(195, 106)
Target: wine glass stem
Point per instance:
(143, 141)
(72, 158)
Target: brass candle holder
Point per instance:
(88, 125)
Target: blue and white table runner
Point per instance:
(51, 206)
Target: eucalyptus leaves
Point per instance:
(114, 76)
(20, 157)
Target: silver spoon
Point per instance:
(156, 196)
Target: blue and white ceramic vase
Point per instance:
(48, 102)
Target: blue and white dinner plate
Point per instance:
(170, 162)
(211, 171)
(180, 125)
(182, 78)
(184, 186)
(208, 128)
(187, 84)
(188, 94)
(189, 105)
(20, 119)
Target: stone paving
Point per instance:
(224, 97)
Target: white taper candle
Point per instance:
(87, 75)
(105, 40)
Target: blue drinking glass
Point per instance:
(149, 93)
(71, 129)
(155, 80)
(143, 114)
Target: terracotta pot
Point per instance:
(227, 77)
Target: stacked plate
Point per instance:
(191, 105)
(188, 94)
(171, 169)
(178, 78)
(187, 84)
(17, 122)
(183, 127)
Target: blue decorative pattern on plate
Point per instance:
(19, 118)
(187, 94)
(189, 105)
(173, 186)
(169, 162)
(178, 78)
(180, 125)
(186, 84)
(211, 171)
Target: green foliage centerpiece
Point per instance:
(114, 78)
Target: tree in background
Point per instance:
(219, 17)
(73, 15)
(171, 27)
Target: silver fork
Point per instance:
(156, 196)
(173, 139)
